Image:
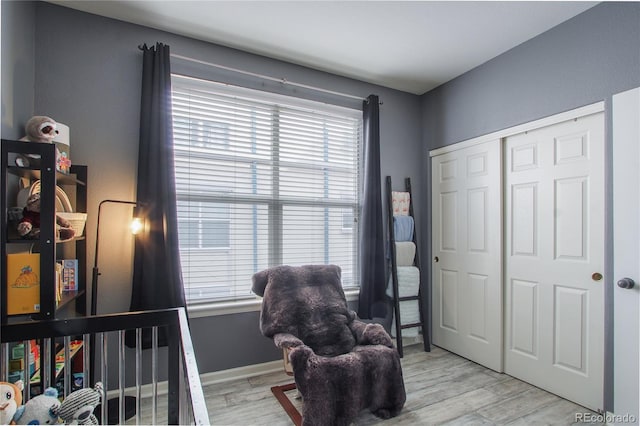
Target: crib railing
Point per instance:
(163, 382)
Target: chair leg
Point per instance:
(279, 393)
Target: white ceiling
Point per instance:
(411, 46)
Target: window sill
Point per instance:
(251, 305)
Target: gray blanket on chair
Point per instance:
(341, 365)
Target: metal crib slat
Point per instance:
(45, 364)
(67, 365)
(4, 362)
(86, 360)
(138, 374)
(154, 375)
(26, 392)
(105, 381)
(121, 378)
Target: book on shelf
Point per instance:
(69, 274)
(58, 281)
(23, 283)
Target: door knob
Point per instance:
(435, 259)
(626, 283)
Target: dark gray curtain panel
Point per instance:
(372, 261)
(157, 275)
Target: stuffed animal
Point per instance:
(40, 410)
(39, 128)
(29, 226)
(78, 406)
(10, 400)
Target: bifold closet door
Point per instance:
(554, 258)
(467, 303)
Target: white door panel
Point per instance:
(467, 239)
(523, 336)
(554, 212)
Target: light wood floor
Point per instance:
(442, 389)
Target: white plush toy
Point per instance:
(40, 128)
(40, 410)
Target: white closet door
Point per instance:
(626, 250)
(466, 274)
(554, 258)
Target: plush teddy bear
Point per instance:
(77, 408)
(29, 226)
(40, 410)
(10, 400)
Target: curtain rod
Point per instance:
(266, 77)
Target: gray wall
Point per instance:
(581, 61)
(584, 60)
(18, 67)
(86, 74)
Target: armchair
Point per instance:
(341, 365)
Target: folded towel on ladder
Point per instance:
(409, 314)
(403, 228)
(408, 285)
(405, 253)
(400, 202)
(408, 282)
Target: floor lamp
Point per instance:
(113, 404)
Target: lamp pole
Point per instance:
(96, 272)
(111, 406)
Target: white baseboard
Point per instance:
(211, 378)
(241, 372)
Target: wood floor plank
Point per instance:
(509, 386)
(516, 406)
(474, 419)
(560, 412)
(457, 406)
(447, 390)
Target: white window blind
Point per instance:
(262, 180)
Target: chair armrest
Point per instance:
(370, 334)
(286, 340)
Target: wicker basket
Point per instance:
(77, 221)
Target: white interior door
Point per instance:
(554, 251)
(467, 242)
(626, 240)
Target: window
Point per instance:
(204, 225)
(261, 180)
